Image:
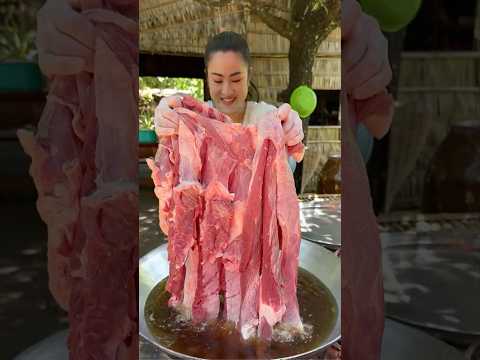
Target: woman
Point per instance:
(65, 42)
(228, 68)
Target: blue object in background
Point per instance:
(292, 163)
(147, 136)
(21, 77)
(365, 142)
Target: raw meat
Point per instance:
(362, 280)
(229, 207)
(84, 164)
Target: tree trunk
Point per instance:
(395, 49)
(308, 25)
(301, 57)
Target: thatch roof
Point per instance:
(183, 27)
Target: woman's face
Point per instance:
(228, 81)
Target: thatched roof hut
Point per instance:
(182, 28)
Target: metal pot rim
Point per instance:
(314, 258)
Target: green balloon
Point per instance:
(303, 100)
(392, 15)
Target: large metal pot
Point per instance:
(320, 262)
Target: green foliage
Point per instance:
(17, 29)
(146, 111)
(150, 85)
(192, 86)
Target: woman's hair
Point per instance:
(231, 41)
(227, 41)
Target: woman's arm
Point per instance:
(293, 130)
(366, 69)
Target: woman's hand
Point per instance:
(366, 69)
(166, 120)
(365, 66)
(65, 39)
(292, 125)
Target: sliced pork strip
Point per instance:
(110, 217)
(251, 247)
(362, 279)
(214, 232)
(87, 198)
(289, 225)
(56, 172)
(234, 220)
(271, 302)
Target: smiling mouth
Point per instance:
(228, 101)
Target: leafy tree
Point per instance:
(306, 24)
(17, 29)
(148, 101)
